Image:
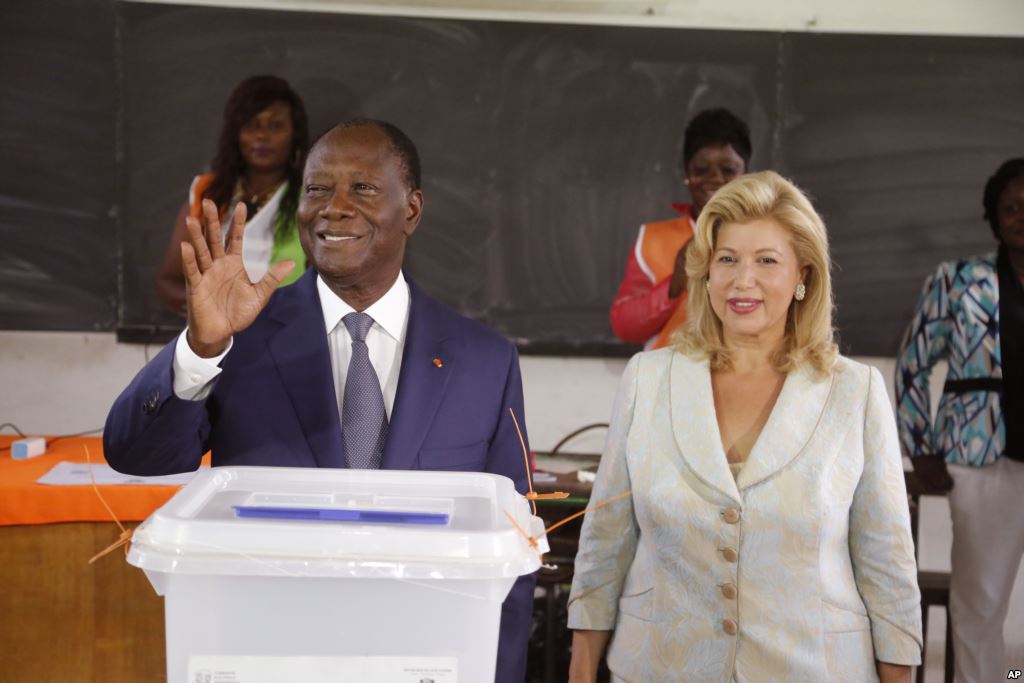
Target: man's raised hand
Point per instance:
(221, 299)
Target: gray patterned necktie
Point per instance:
(364, 422)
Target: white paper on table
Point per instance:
(253, 669)
(77, 474)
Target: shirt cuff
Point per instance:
(193, 375)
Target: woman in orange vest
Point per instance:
(259, 161)
(651, 301)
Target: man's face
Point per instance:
(356, 211)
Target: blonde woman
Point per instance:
(767, 537)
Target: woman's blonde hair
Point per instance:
(809, 337)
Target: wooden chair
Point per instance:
(934, 585)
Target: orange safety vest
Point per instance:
(659, 246)
(195, 194)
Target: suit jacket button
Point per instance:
(730, 554)
(730, 627)
(729, 591)
(149, 407)
(731, 515)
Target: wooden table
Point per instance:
(64, 620)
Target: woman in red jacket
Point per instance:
(651, 301)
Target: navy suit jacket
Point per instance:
(274, 404)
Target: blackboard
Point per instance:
(545, 146)
(58, 119)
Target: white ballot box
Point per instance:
(274, 574)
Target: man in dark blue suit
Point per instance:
(274, 377)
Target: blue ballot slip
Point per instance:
(340, 515)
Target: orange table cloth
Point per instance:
(23, 501)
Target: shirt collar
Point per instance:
(390, 312)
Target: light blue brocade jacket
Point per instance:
(800, 570)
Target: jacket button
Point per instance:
(150, 406)
(729, 591)
(730, 554)
(731, 515)
(730, 627)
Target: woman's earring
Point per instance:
(800, 293)
(707, 285)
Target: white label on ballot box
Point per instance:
(226, 669)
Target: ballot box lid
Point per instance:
(291, 521)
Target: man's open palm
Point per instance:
(221, 300)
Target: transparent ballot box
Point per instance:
(361, 575)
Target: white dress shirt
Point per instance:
(194, 376)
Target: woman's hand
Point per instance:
(893, 673)
(221, 299)
(677, 285)
(587, 651)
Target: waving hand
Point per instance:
(221, 299)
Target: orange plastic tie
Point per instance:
(529, 539)
(586, 510)
(531, 496)
(126, 534)
(554, 495)
(532, 540)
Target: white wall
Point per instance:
(64, 382)
(943, 17)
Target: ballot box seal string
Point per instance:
(126, 534)
(533, 496)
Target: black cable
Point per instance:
(14, 427)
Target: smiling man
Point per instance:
(352, 366)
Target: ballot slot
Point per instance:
(357, 507)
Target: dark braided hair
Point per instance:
(249, 98)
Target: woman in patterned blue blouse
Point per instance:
(971, 315)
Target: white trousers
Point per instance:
(988, 542)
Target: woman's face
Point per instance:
(1010, 215)
(711, 168)
(753, 276)
(266, 139)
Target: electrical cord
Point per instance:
(50, 440)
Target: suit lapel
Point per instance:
(299, 349)
(695, 426)
(422, 382)
(793, 421)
